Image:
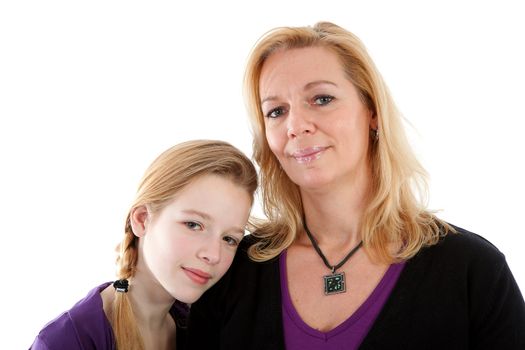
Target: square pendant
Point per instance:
(334, 283)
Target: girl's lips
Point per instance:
(197, 276)
(309, 154)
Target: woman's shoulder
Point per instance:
(84, 322)
(249, 240)
(244, 272)
(243, 254)
(466, 245)
(461, 253)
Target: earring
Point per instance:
(374, 133)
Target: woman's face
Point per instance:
(315, 122)
(189, 245)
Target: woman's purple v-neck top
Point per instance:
(349, 334)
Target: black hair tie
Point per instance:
(121, 285)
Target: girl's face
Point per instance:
(189, 245)
(315, 122)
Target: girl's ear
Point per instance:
(139, 219)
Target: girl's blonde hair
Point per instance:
(166, 176)
(397, 209)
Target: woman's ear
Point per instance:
(139, 219)
(374, 121)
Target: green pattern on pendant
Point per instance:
(334, 283)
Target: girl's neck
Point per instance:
(151, 303)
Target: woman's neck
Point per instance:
(335, 215)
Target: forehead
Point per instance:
(215, 197)
(205, 186)
(299, 67)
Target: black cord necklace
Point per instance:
(335, 282)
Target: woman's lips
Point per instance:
(309, 154)
(196, 275)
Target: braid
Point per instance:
(127, 333)
(127, 253)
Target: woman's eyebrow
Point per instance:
(318, 82)
(308, 86)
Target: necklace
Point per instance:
(334, 283)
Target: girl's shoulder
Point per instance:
(84, 326)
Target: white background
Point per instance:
(92, 91)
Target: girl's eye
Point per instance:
(323, 100)
(274, 113)
(231, 241)
(192, 225)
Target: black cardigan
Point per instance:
(457, 294)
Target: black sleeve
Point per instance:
(457, 294)
(498, 310)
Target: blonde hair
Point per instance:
(166, 176)
(397, 210)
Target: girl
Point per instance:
(180, 237)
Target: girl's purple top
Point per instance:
(349, 334)
(85, 326)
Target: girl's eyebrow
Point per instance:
(198, 213)
(208, 218)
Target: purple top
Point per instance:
(86, 326)
(349, 334)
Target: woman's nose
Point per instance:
(299, 122)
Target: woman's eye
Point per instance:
(231, 241)
(274, 113)
(192, 225)
(323, 100)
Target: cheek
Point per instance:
(226, 261)
(275, 140)
(174, 246)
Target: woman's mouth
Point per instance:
(309, 154)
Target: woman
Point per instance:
(350, 257)
(180, 237)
